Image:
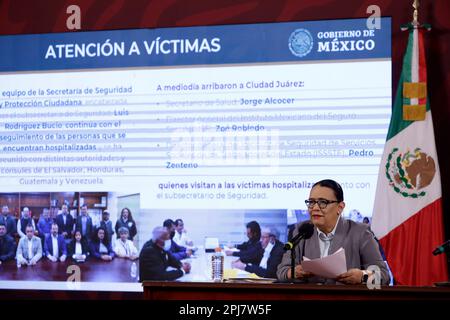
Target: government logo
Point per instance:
(409, 173)
(300, 42)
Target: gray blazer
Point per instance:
(36, 248)
(358, 241)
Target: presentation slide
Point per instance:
(201, 123)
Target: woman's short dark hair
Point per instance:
(255, 229)
(333, 185)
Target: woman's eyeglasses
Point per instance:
(322, 203)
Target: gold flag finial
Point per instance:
(416, 13)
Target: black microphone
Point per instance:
(305, 231)
(442, 248)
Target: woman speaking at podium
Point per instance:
(332, 232)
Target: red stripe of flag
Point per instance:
(412, 243)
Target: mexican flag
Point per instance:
(407, 216)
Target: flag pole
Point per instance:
(414, 24)
(413, 89)
(415, 21)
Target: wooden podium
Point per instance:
(157, 290)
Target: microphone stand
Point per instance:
(293, 279)
(305, 231)
(445, 283)
(293, 263)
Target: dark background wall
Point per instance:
(38, 16)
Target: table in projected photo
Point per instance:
(117, 270)
(201, 268)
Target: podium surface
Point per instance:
(159, 290)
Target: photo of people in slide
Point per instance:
(95, 231)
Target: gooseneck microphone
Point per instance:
(442, 248)
(305, 231)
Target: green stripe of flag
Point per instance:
(397, 123)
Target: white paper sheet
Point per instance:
(226, 248)
(327, 267)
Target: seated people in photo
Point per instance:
(155, 260)
(125, 248)
(65, 223)
(332, 232)
(178, 252)
(250, 251)
(24, 221)
(106, 224)
(300, 216)
(44, 225)
(78, 248)
(55, 248)
(100, 247)
(29, 249)
(126, 220)
(271, 255)
(9, 221)
(7, 245)
(355, 215)
(84, 223)
(181, 237)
